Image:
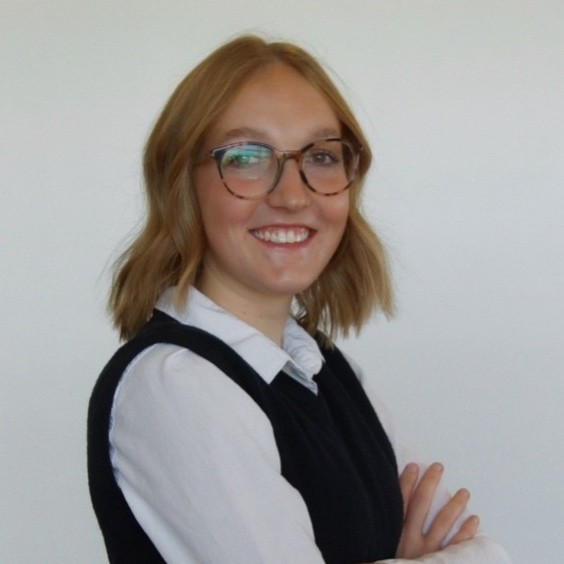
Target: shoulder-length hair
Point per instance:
(169, 249)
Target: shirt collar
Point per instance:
(299, 355)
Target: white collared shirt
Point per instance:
(196, 457)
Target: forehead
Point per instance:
(279, 105)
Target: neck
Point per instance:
(266, 313)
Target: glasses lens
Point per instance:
(248, 169)
(330, 166)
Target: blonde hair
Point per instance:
(170, 247)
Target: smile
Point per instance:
(282, 236)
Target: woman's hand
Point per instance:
(417, 498)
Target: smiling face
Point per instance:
(273, 247)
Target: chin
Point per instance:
(292, 288)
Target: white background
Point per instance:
(463, 102)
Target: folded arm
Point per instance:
(437, 527)
(197, 462)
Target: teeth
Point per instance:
(283, 236)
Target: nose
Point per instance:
(290, 192)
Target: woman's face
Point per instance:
(277, 245)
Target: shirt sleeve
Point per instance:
(479, 550)
(197, 463)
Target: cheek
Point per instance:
(336, 211)
(207, 187)
(222, 213)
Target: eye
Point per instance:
(322, 158)
(324, 155)
(245, 157)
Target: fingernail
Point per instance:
(464, 492)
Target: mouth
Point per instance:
(283, 236)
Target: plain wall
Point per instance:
(463, 104)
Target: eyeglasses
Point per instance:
(252, 169)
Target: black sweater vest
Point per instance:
(332, 447)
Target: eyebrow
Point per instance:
(246, 132)
(258, 134)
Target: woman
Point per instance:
(229, 428)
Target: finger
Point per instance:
(467, 531)
(412, 541)
(447, 516)
(422, 496)
(407, 481)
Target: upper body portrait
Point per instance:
(229, 427)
